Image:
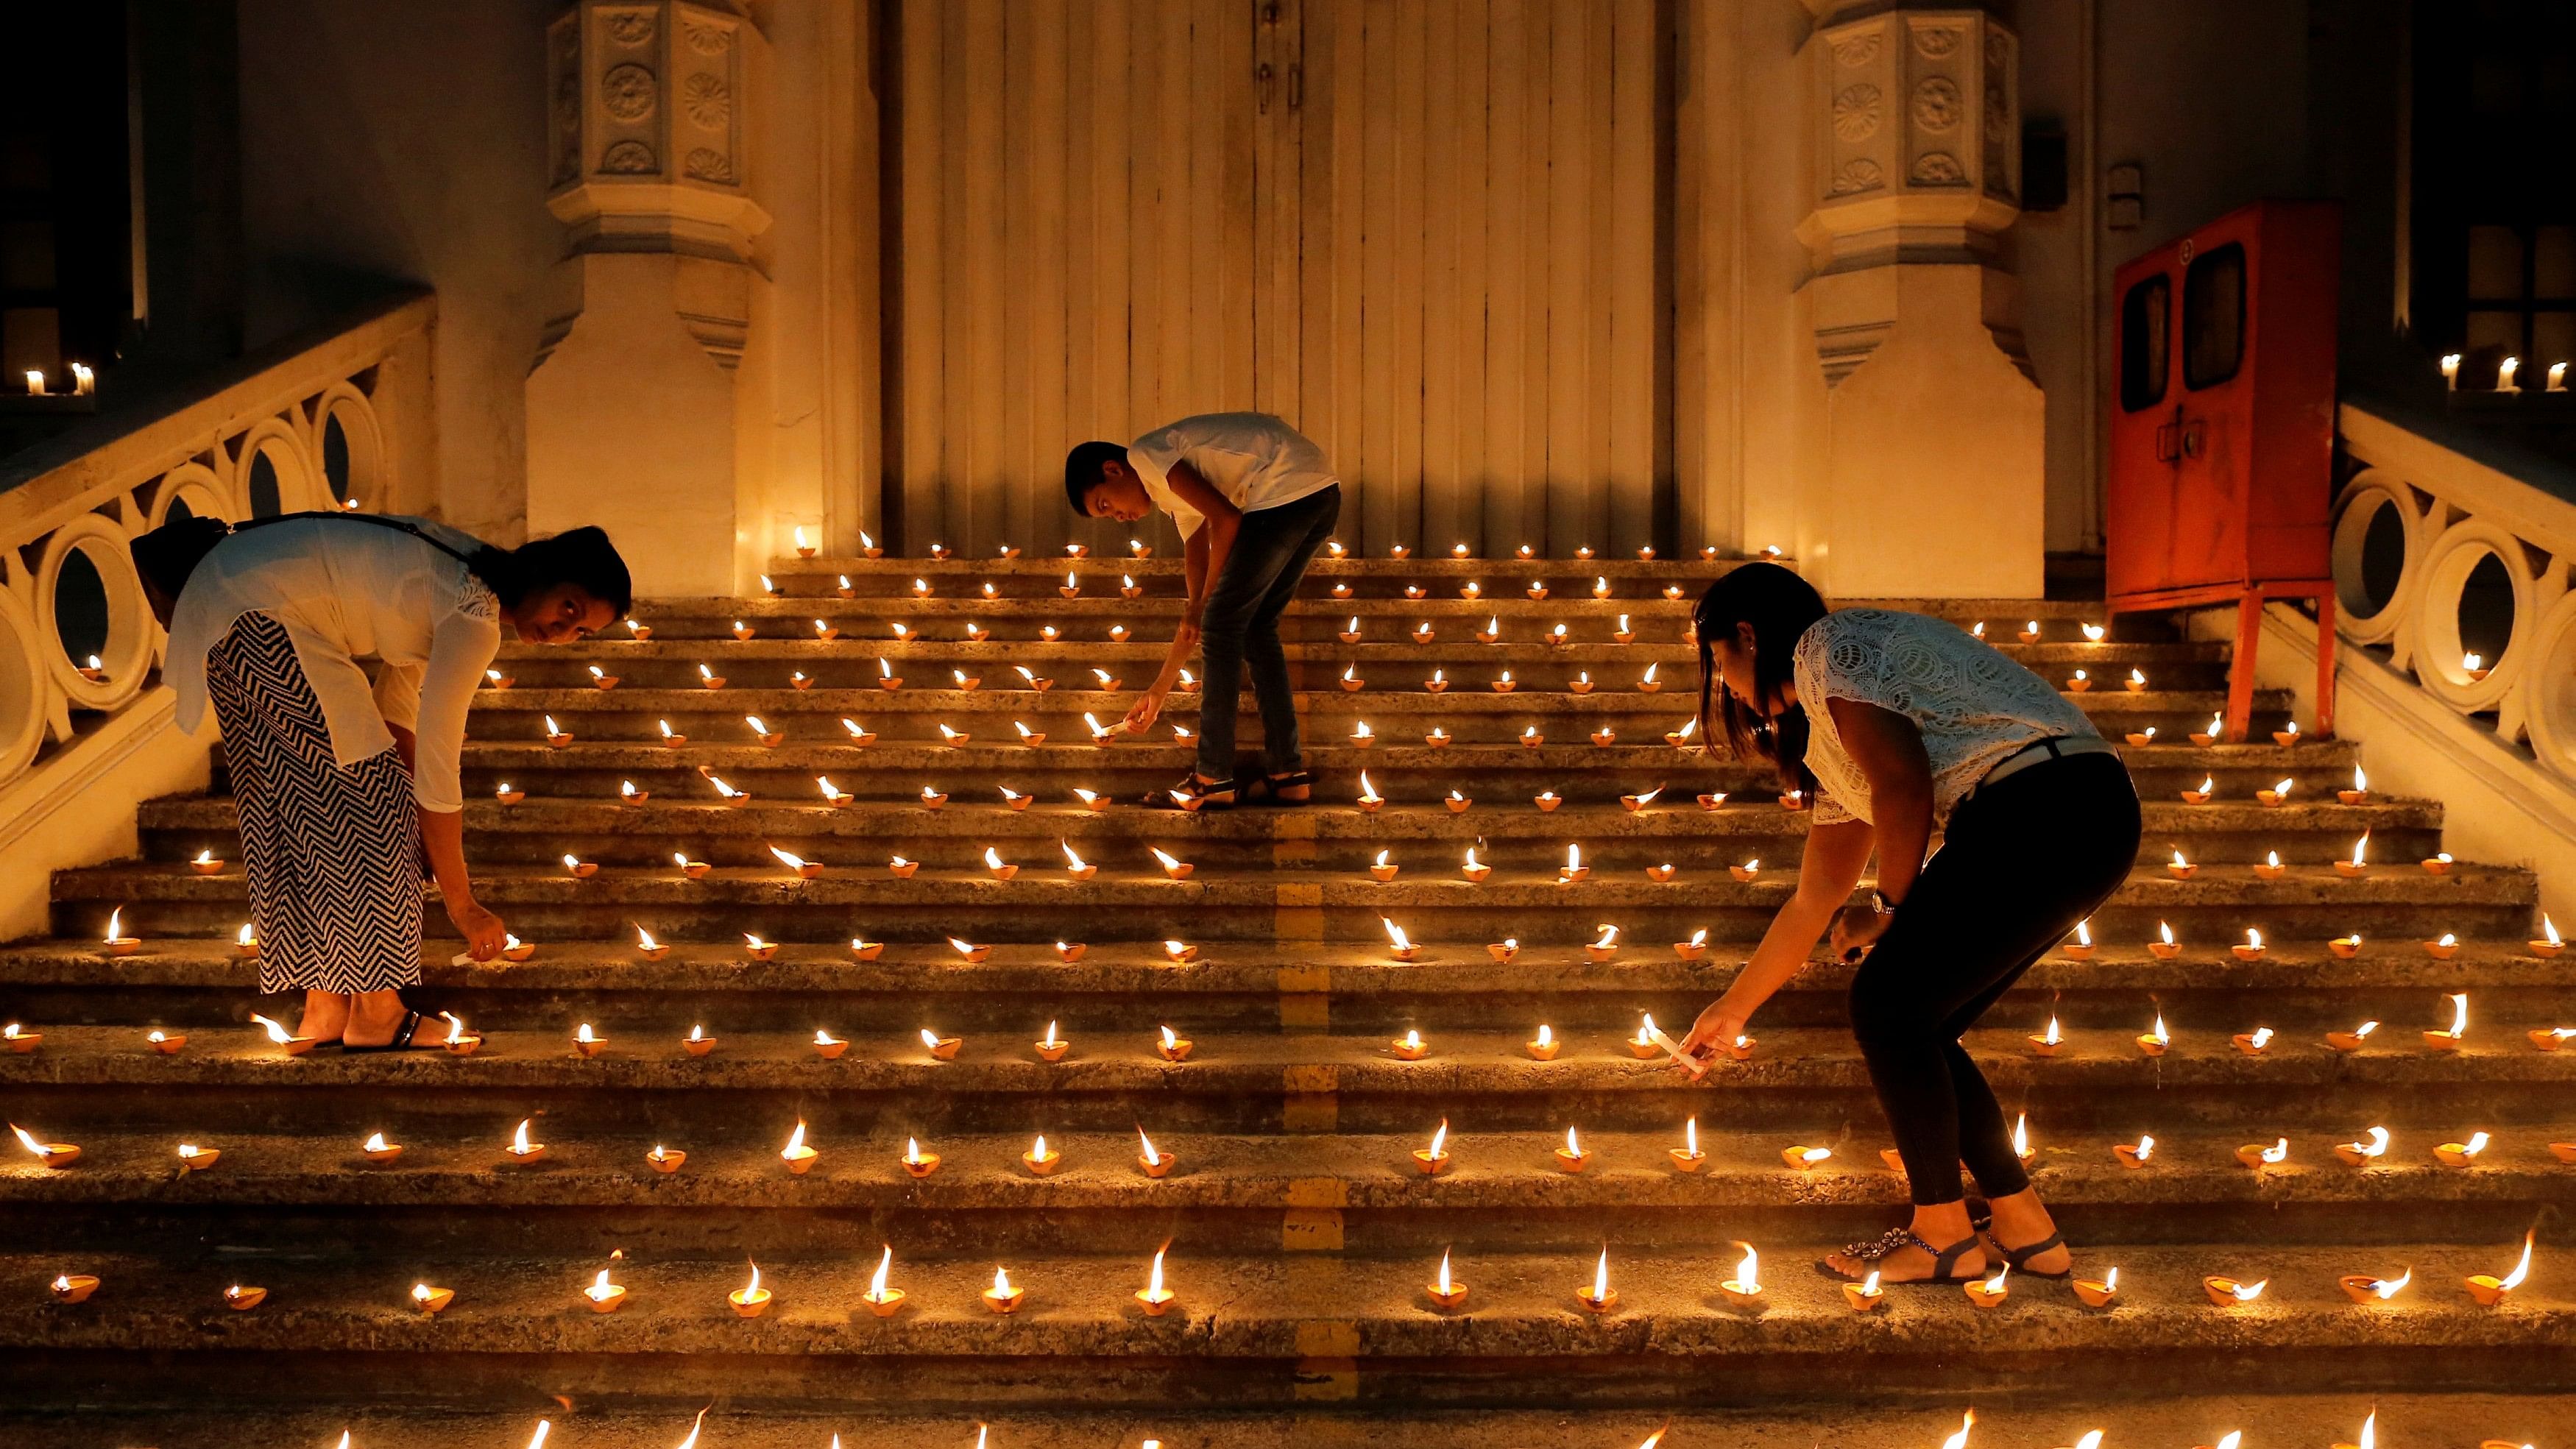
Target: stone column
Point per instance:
(631, 404)
(1934, 424)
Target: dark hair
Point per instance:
(582, 557)
(1082, 470)
(1780, 606)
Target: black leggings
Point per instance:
(2022, 861)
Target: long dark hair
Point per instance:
(1780, 606)
(582, 557)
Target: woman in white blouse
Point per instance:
(341, 784)
(1896, 723)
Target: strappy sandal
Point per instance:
(401, 1038)
(1271, 785)
(1192, 793)
(2020, 1258)
(1894, 1239)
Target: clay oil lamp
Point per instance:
(2213, 732)
(2270, 867)
(1605, 737)
(2439, 864)
(697, 1043)
(1399, 945)
(1071, 588)
(1622, 634)
(2345, 947)
(1805, 1159)
(1106, 679)
(586, 1041)
(2048, 1043)
(1383, 869)
(460, 1041)
(22, 1041)
(580, 869)
(2179, 867)
(2140, 739)
(1075, 865)
(116, 941)
(1688, 1157)
(1438, 739)
(750, 1300)
(1154, 1298)
(1544, 1046)
(882, 1300)
(1547, 800)
(2155, 1040)
(1341, 590)
(1990, 1292)
(1647, 683)
(1174, 868)
(284, 1040)
(941, 1048)
(2081, 948)
(242, 1300)
(1571, 1157)
(204, 863)
(796, 1154)
(709, 679)
(73, 1287)
(693, 869)
(514, 949)
(1745, 873)
(1597, 1296)
(601, 678)
(2549, 943)
(1740, 1049)
(2364, 1289)
(2253, 1043)
(2279, 793)
(246, 942)
(2548, 1039)
(1362, 736)
(2137, 681)
(556, 735)
(51, 1154)
(953, 737)
(993, 862)
(1713, 800)
(1422, 632)
(1049, 633)
(2098, 1293)
(2474, 666)
(2135, 1154)
(1604, 948)
(2443, 947)
(2080, 682)
(2252, 949)
(1180, 951)
(1445, 1291)
(1574, 869)
(2490, 1290)
(169, 1044)
(1492, 633)
(1090, 800)
(833, 795)
(1694, 948)
(2461, 1154)
(2359, 865)
(1041, 1159)
(2257, 1156)
(1642, 1045)
(2447, 1041)
(377, 1149)
(1865, 1295)
(431, 1301)
(497, 679)
(2030, 632)
(1410, 1047)
(1505, 685)
(1635, 803)
(757, 948)
(1002, 1297)
(1173, 1047)
(1416, 592)
(725, 792)
(1051, 1047)
(828, 1046)
(2372, 1147)
(917, 1162)
(2350, 1041)
(1369, 798)
(2021, 1139)
(1744, 1290)
(1794, 801)
(1155, 1163)
(1438, 681)
(1505, 949)
(1456, 802)
(2229, 1293)
(520, 1148)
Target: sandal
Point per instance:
(1896, 1238)
(2020, 1258)
(1271, 785)
(1192, 793)
(401, 1038)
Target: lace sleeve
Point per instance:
(1850, 659)
(1826, 810)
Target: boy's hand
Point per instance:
(1149, 707)
(1186, 637)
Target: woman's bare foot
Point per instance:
(2021, 1219)
(1942, 1225)
(326, 1016)
(374, 1017)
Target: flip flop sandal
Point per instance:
(2020, 1258)
(1889, 1242)
(401, 1040)
(1203, 795)
(1270, 788)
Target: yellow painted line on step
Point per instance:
(1327, 1348)
(1298, 913)
(1312, 1103)
(1305, 998)
(1292, 841)
(1313, 1221)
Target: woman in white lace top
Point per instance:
(1899, 724)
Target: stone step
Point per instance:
(954, 896)
(1246, 1329)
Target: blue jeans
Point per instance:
(1240, 627)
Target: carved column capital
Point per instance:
(1917, 114)
(646, 128)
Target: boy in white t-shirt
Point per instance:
(1253, 500)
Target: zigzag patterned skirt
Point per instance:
(333, 852)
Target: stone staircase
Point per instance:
(1301, 1231)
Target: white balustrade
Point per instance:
(2453, 513)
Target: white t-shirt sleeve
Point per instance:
(398, 694)
(1152, 456)
(460, 649)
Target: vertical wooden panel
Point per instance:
(1229, 67)
(1570, 419)
(1006, 480)
(1603, 285)
(1345, 215)
(1507, 249)
(1113, 416)
(920, 358)
(1543, 20)
(984, 252)
(1442, 520)
(1463, 345)
(1041, 504)
(1082, 222)
(1635, 341)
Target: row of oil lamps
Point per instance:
(1744, 1290)
(859, 735)
(806, 548)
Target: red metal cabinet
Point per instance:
(2222, 427)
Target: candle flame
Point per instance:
(116, 923)
(1601, 1277)
(1546, 1036)
(792, 862)
(2459, 1012)
(2262, 1037)
(877, 1281)
(754, 942)
(1147, 1150)
(2472, 661)
(1748, 1272)
(2522, 1269)
(1444, 1257)
(1154, 1280)
(2476, 1144)
(795, 1140)
(27, 1141)
(1573, 1148)
(1869, 1285)
(1171, 1039)
(245, 936)
(583, 1033)
(2376, 1146)
(2254, 938)
(375, 1142)
(2021, 1135)
(1440, 1137)
(2084, 932)
(2053, 1037)
(276, 1033)
(1645, 1028)
(518, 1139)
(1609, 937)
(1165, 856)
(2277, 1152)
(992, 857)
(2146, 1146)
(2158, 1034)
(1367, 790)
(1039, 1151)
(1395, 933)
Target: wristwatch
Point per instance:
(1879, 903)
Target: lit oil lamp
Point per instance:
(1071, 588)
(2079, 682)
(170, 1043)
(21, 1041)
(1444, 1290)
(556, 735)
(1571, 1157)
(1172, 867)
(1990, 1292)
(1156, 1163)
(796, 1154)
(377, 1149)
(2140, 739)
(749, 1301)
(1597, 1296)
(697, 1043)
(1041, 1159)
(2490, 1290)
(976, 954)
(2474, 666)
(1422, 632)
(2372, 1147)
(2257, 1156)
(1623, 634)
(1350, 632)
(1051, 1047)
(2253, 1043)
(431, 1301)
(1600, 587)
(993, 862)
(1805, 1159)
(1075, 865)
(204, 863)
(2135, 1154)
(1638, 802)
(1438, 681)
(241, 1299)
(709, 679)
(2208, 784)
(2030, 632)
(2444, 1041)
(2439, 864)
(1505, 685)
(726, 793)
(1745, 873)
(497, 679)
(902, 869)
(2461, 1154)
(117, 942)
(1544, 1046)
(193, 1158)
(2350, 1041)
(2048, 1043)
(580, 869)
(246, 942)
(1382, 869)
(1744, 1290)
(1438, 739)
(2270, 867)
(2081, 948)
(1605, 947)
(1605, 737)
(1695, 947)
(601, 678)
(1864, 1295)
(2156, 1039)
(917, 1162)
(1688, 1157)
(586, 1041)
(1154, 1298)
(941, 1048)
(284, 1040)
(1795, 800)
(1547, 800)
(1504, 949)
(2252, 948)
(73, 1287)
(2549, 944)
(2213, 732)
(693, 869)
(460, 1041)
(1574, 869)
(2020, 1138)
(828, 1046)
(1180, 951)
(1173, 1047)
(2548, 1039)
(2363, 1288)
(2278, 794)
(2164, 948)
(1399, 945)
(2345, 947)
(2229, 1293)
(1369, 798)
(2137, 681)
(2098, 1293)
(520, 1148)
(757, 948)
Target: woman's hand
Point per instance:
(1719, 1025)
(482, 930)
(1149, 707)
(1857, 929)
